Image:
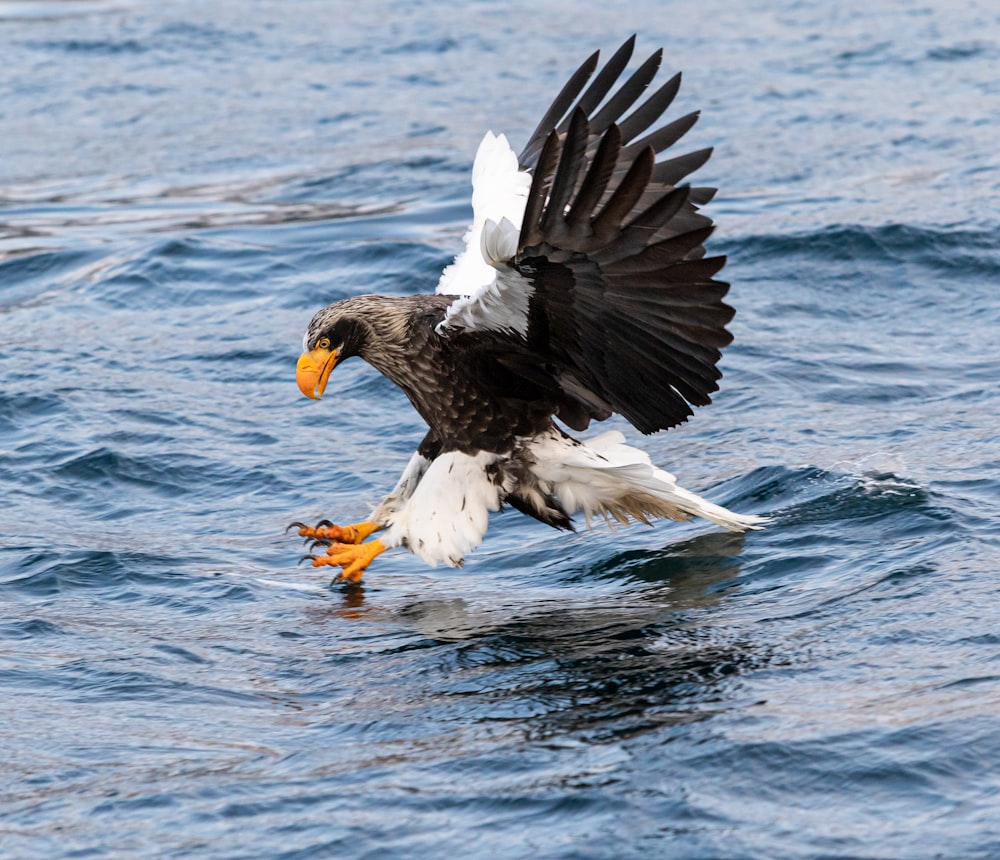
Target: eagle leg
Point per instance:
(325, 530)
(354, 558)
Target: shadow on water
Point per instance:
(611, 667)
(690, 569)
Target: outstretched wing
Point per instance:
(601, 278)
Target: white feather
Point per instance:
(404, 489)
(499, 241)
(448, 513)
(490, 299)
(500, 306)
(607, 477)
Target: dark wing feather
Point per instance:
(625, 313)
(557, 110)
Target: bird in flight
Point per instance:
(583, 291)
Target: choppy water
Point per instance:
(183, 184)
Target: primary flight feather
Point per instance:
(583, 291)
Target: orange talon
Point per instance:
(353, 558)
(351, 534)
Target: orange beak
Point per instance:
(313, 371)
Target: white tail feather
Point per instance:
(606, 477)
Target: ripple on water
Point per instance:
(797, 496)
(945, 251)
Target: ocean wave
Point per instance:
(802, 495)
(971, 251)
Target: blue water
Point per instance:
(183, 184)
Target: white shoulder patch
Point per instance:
(448, 513)
(499, 306)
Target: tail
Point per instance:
(695, 506)
(608, 478)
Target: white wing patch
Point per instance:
(448, 513)
(493, 296)
(499, 306)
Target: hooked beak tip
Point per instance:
(313, 372)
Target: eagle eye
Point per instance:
(323, 343)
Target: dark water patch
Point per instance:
(95, 47)
(691, 568)
(811, 495)
(102, 569)
(182, 273)
(181, 653)
(904, 578)
(424, 46)
(117, 90)
(181, 37)
(873, 497)
(236, 356)
(107, 467)
(597, 674)
(186, 36)
(85, 680)
(20, 411)
(59, 570)
(990, 680)
(874, 53)
(94, 684)
(38, 279)
(962, 51)
(33, 628)
(156, 573)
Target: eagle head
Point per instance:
(335, 333)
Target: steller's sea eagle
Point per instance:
(584, 290)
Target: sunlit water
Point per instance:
(183, 184)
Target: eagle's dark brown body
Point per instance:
(584, 291)
(461, 386)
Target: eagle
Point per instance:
(583, 291)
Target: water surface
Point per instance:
(182, 185)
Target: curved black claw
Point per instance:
(310, 557)
(320, 542)
(322, 524)
(295, 525)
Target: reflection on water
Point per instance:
(615, 666)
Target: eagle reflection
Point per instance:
(604, 670)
